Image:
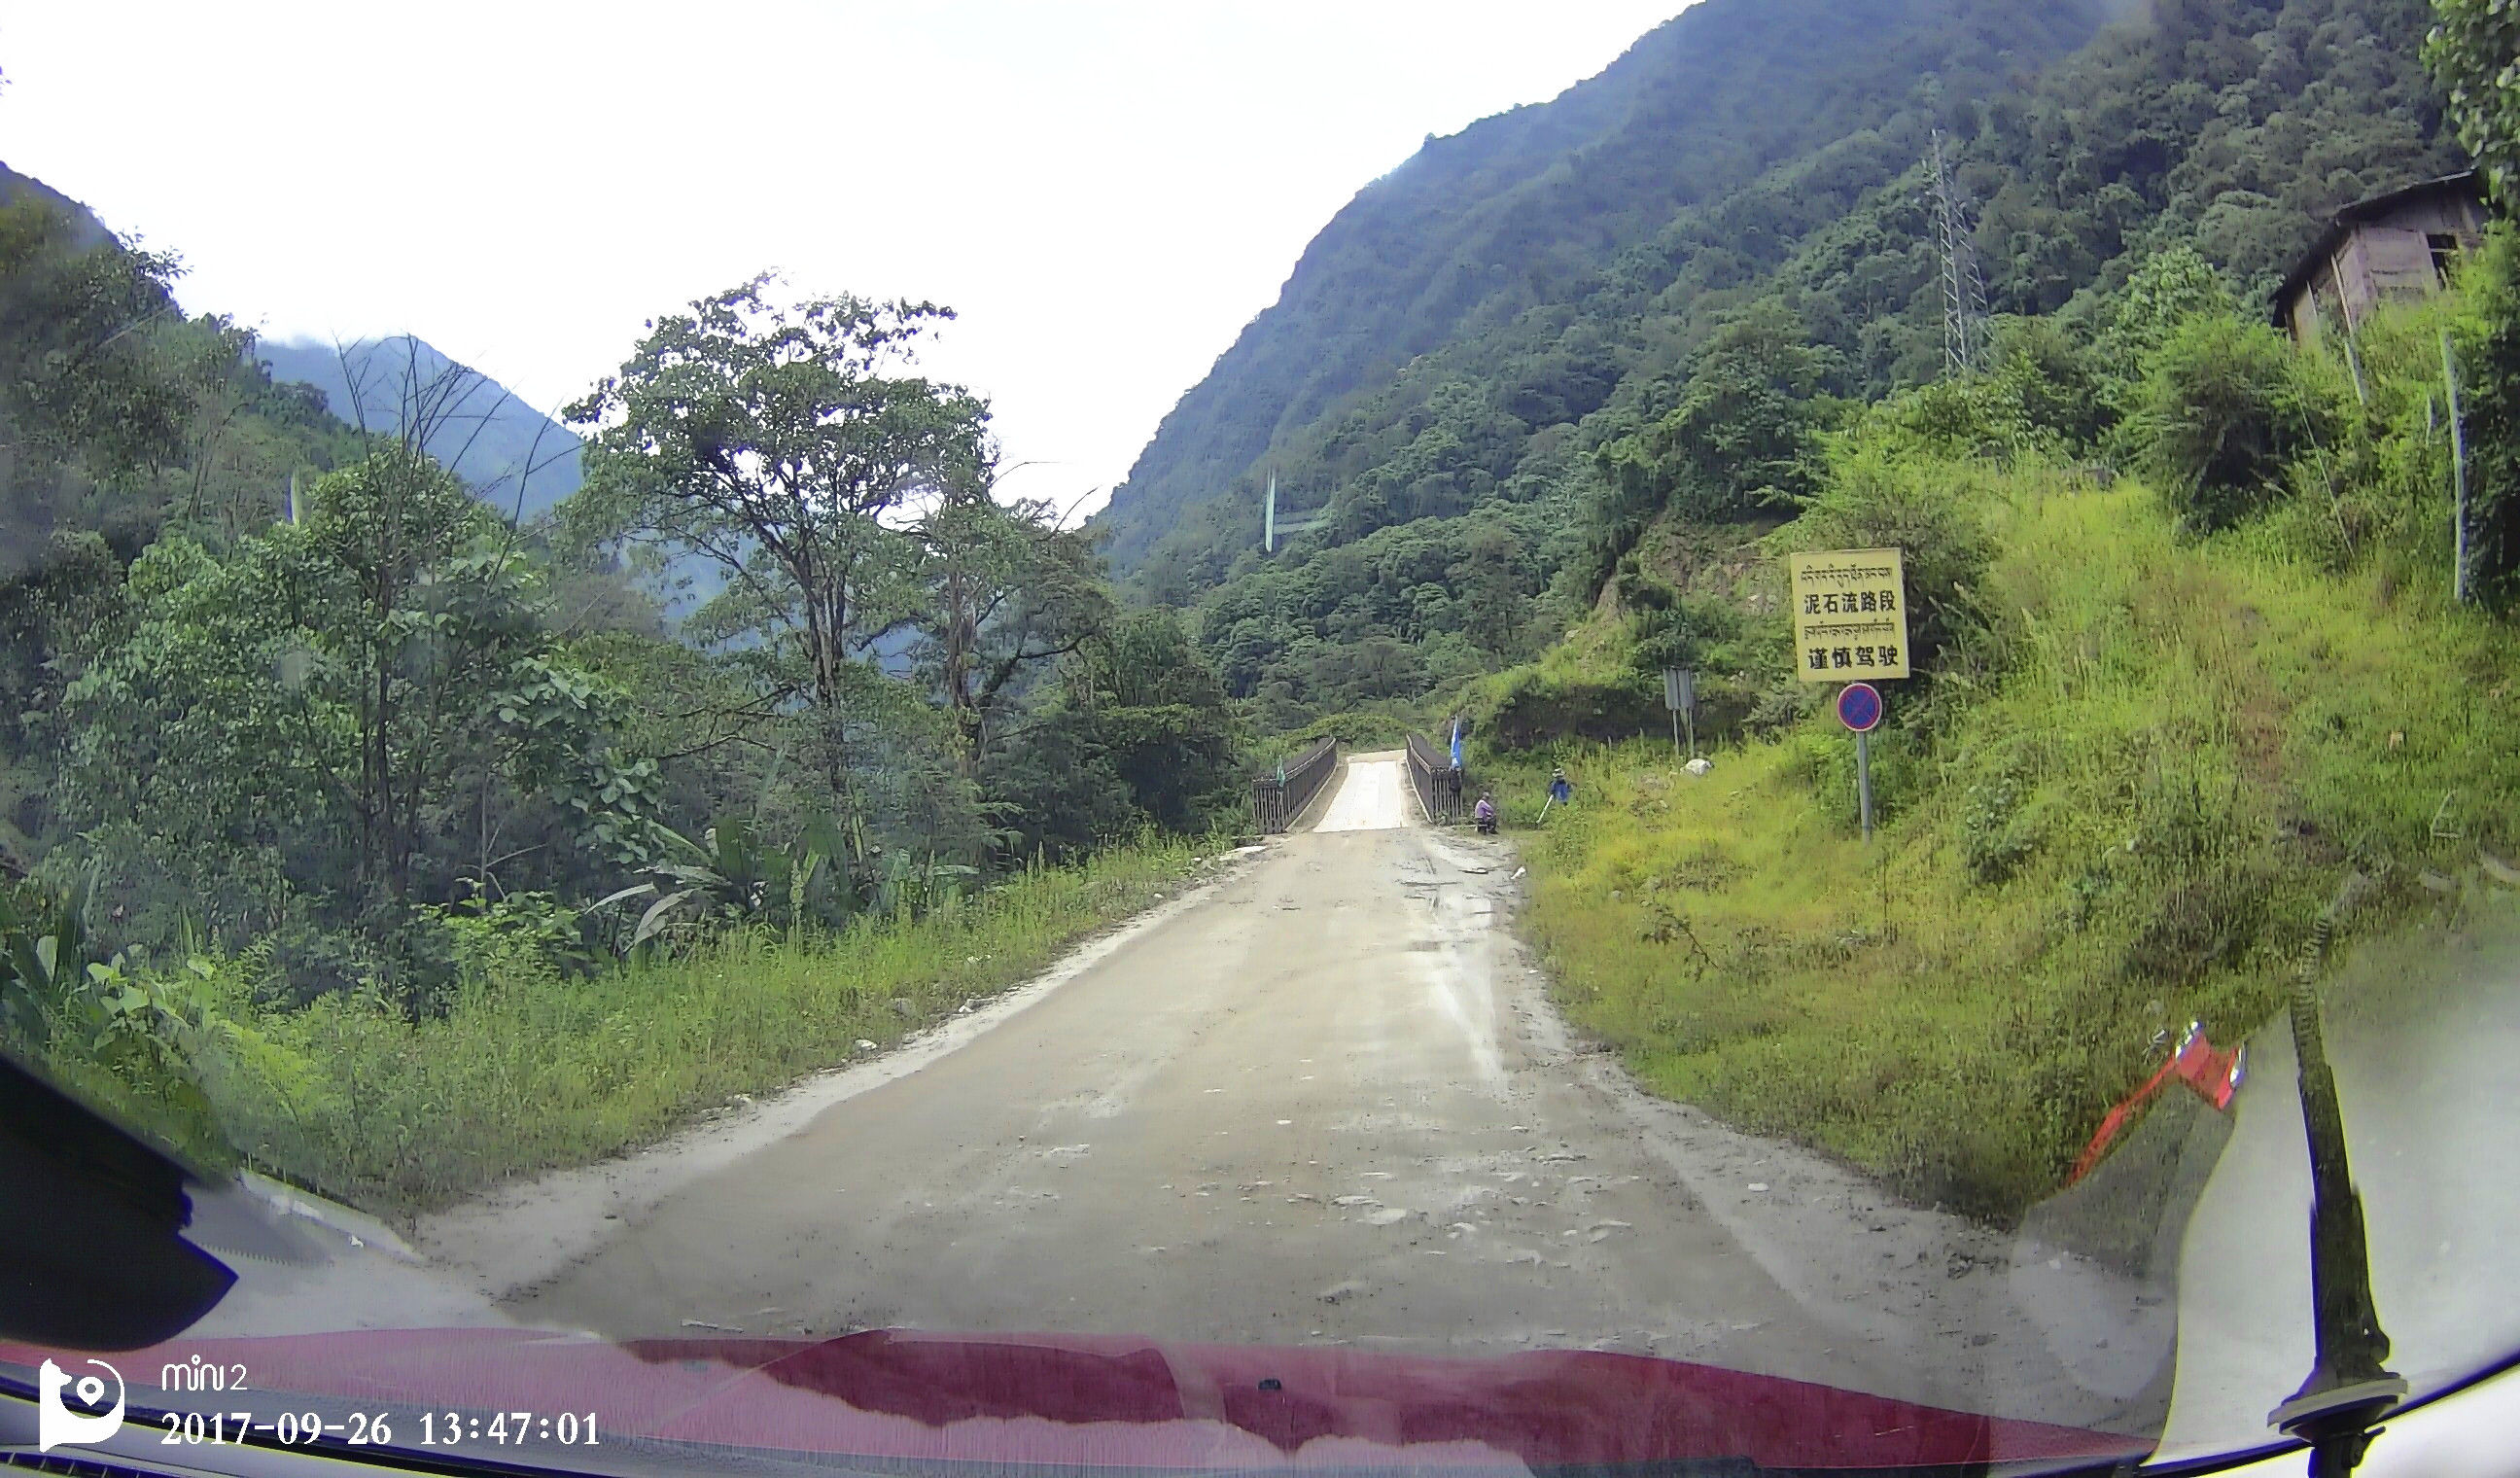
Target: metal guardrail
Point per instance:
(1278, 799)
(1439, 784)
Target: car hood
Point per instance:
(1111, 1401)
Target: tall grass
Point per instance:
(531, 1073)
(2132, 828)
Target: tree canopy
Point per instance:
(2474, 53)
(782, 440)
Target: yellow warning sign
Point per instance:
(1850, 615)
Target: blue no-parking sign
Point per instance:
(1858, 707)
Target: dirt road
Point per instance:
(1323, 1099)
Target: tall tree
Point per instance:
(1008, 588)
(366, 697)
(2473, 52)
(785, 441)
(1488, 590)
(1138, 733)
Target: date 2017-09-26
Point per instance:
(375, 1429)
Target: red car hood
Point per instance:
(1114, 1402)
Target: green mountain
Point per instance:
(1508, 227)
(1459, 346)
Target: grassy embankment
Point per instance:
(534, 1072)
(2135, 826)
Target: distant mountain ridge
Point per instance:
(511, 456)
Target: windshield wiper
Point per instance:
(2349, 1386)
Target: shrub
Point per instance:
(2224, 408)
(2167, 289)
(2048, 382)
(1995, 838)
(1685, 633)
(2040, 397)
(1951, 419)
(523, 936)
(2489, 353)
(1536, 708)
(1876, 500)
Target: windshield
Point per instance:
(1757, 735)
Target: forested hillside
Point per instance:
(509, 452)
(120, 418)
(1524, 215)
(84, 227)
(1477, 451)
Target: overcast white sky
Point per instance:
(1106, 192)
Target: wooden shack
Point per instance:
(2397, 245)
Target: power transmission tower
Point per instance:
(1963, 287)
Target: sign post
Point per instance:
(1680, 695)
(1863, 781)
(1850, 609)
(1859, 709)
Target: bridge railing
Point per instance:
(1438, 781)
(1279, 796)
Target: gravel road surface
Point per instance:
(1321, 1100)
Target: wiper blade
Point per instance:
(2349, 1386)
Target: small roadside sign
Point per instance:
(1680, 695)
(1858, 707)
(1850, 611)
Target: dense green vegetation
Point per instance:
(305, 735)
(2163, 719)
(117, 417)
(2471, 51)
(1700, 304)
(359, 830)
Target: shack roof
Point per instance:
(2342, 224)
